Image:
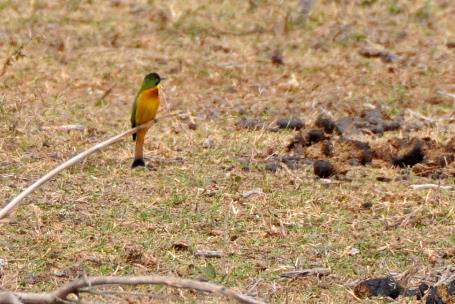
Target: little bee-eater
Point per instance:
(144, 110)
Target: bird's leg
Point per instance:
(139, 150)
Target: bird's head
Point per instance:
(151, 80)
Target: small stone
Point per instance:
(3, 263)
(251, 192)
(343, 124)
(354, 251)
(387, 57)
(59, 274)
(208, 143)
(377, 129)
(326, 181)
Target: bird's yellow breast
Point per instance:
(147, 105)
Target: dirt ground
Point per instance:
(367, 84)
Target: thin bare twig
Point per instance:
(119, 293)
(429, 186)
(426, 119)
(106, 93)
(446, 94)
(81, 156)
(65, 127)
(15, 55)
(210, 254)
(319, 272)
(78, 285)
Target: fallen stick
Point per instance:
(81, 156)
(65, 127)
(446, 94)
(210, 254)
(319, 272)
(427, 119)
(79, 285)
(429, 186)
(251, 192)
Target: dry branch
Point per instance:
(16, 55)
(77, 287)
(65, 127)
(210, 254)
(429, 186)
(81, 156)
(318, 272)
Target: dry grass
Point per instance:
(103, 218)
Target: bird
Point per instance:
(144, 109)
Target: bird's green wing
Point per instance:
(133, 114)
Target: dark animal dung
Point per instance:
(323, 168)
(325, 122)
(250, 124)
(383, 179)
(425, 156)
(384, 287)
(277, 57)
(277, 60)
(314, 136)
(327, 148)
(410, 156)
(357, 150)
(292, 162)
(292, 123)
(388, 287)
(305, 139)
(371, 120)
(450, 147)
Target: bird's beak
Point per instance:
(163, 78)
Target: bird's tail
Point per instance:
(133, 125)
